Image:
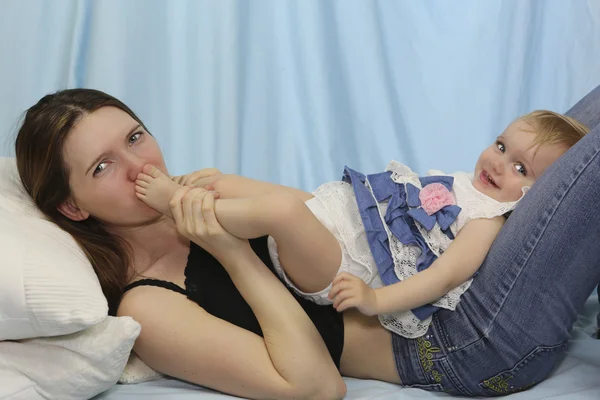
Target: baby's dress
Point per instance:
(387, 235)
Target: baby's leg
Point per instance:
(231, 186)
(308, 251)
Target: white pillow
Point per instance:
(137, 371)
(16, 386)
(47, 285)
(76, 366)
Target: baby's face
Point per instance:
(511, 163)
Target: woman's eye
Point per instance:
(135, 137)
(521, 169)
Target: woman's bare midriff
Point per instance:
(367, 349)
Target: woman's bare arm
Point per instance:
(291, 360)
(180, 339)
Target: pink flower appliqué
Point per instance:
(434, 197)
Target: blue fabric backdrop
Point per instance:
(291, 91)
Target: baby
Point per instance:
(391, 244)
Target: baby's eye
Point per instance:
(521, 169)
(99, 169)
(500, 146)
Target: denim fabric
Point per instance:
(511, 327)
(587, 111)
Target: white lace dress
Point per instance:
(335, 205)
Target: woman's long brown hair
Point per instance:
(39, 152)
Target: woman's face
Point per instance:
(104, 153)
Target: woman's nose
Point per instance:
(134, 166)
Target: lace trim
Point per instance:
(474, 204)
(339, 201)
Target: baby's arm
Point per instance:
(460, 261)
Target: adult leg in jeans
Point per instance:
(587, 110)
(538, 274)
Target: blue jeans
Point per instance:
(511, 327)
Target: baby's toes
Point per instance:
(141, 181)
(152, 171)
(140, 189)
(146, 178)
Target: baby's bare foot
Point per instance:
(155, 189)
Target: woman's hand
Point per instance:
(193, 210)
(198, 178)
(292, 357)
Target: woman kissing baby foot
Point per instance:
(155, 189)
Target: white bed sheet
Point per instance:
(576, 378)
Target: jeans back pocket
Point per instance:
(529, 371)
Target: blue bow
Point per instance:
(384, 188)
(397, 218)
(444, 217)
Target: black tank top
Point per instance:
(208, 284)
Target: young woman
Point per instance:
(213, 312)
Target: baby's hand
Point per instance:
(350, 291)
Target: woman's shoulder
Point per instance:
(144, 292)
(163, 279)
